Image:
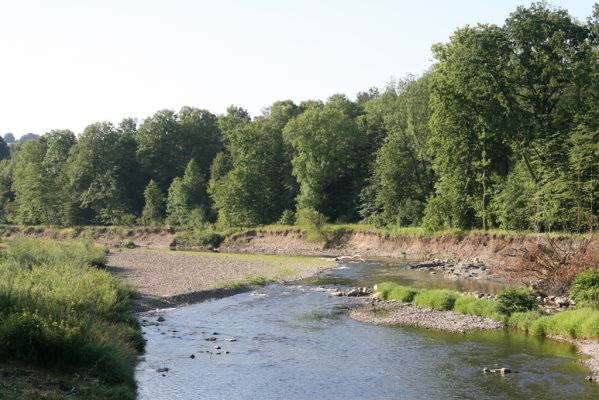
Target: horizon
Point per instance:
(82, 63)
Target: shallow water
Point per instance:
(295, 342)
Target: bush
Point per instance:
(439, 299)
(287, 218)
(585, 287)
(205, 236)
(513, 300)
(482, 307)
(313, 222)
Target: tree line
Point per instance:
(501, 132)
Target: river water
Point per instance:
(295, 342)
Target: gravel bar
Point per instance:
(392, 313)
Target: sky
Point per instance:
(67, 63)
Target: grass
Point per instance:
(467, 304)
(438, 299)
(60, 311)
(254, 280)
(575, 323)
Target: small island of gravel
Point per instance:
(392, 313)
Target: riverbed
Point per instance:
(296, 342)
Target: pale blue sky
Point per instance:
(67, 63)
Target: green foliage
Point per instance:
(438, 299)
(201, 236)
(396, 124)
(28, 253)
(187, 199)
(103, 174)
(501, 132)
(577, 323)
(585, 287)
(328, 149)
(524, 320)
(40, 179)
(313, 223)
(513, 300)
(154, 209)
(287, 218)
(58, 311)
(467, 304)
(398, 293)
(252, 184)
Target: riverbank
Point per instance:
(66, 328)
(516, 257)
(165, 279)
(458, 312)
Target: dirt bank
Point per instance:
(499, 253)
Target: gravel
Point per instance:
(392, 313)
(169, 279)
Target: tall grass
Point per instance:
(439, 299)
(60, 310)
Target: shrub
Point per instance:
(313, 222)
(513, 300)
(205, 236)
(585, 287)
(439, 299)
(287, 218)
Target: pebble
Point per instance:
(161, 319)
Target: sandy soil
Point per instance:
(176, 278)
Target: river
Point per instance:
(295, 342)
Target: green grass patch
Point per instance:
(467, 304)
(439, 299)
(392, 291)
(59, 311)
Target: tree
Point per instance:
(158, 148)
(468, 122)
(187, 198)
(104, 175)
(40, 182)
(9, 138)
(252, 184)
(401, 177)
(328, 160)
(4, 150)
(153, 212)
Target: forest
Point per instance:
(501, 132)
